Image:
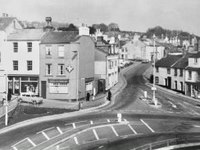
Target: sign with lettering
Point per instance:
(69, 68)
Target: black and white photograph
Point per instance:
(99, 74)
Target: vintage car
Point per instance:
(30, 98)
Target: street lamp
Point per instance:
(154, 62)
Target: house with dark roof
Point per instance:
(20, 58)
(66, 65)
(192, 76)
(164, 72)
(178, 76)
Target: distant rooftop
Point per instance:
(182, 63)
(195, 55)
(26, 34)
(5, 22)
(59, 37)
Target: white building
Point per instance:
(21, 60)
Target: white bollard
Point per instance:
(119, 117)
(94, 91)
(145, 94)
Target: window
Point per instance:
(60, 69)
(61, 51)
(109, 64)
(175, 84)
(175, 72)
(29, 46)
(29, 65)
(157, 69)
(48, 69)
(181, 72)
(15, 47)
(15, 65)
(168, 70)
(189, 75)
(156, 80)
(48, 51)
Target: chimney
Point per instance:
(48, 26)
(84, 30)
(4, 15)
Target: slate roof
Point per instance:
(5, 22)
(182, 63)
(26, 35)
(168, 61)
(102, 50)
(59, 37)
(195, 55)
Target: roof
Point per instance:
(192, 69)
(102, 50)
(26, 35)
(182, 63)
(5, 22)
(168, 61)
(195, 55)
(59, 37)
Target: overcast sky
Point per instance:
(135, 15)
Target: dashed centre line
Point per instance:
(132, 129)
(45, 135)
(76, 140)
(74, 126)
(59, 130)
(147, 125)
(95, 134)
(31, 142)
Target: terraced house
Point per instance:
(66, 65)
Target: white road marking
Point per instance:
(113, 129)
(132, 129)
(91, 122)
(197, 126)
(147, 125)
(59, 130)
(76, 140)
(31, 142)
(95, 134)
(45, 135)
(74, 126)
(108, 120)
(19, 142)
(101, 146)
(45, 130)
(14, 148)
(173, 105)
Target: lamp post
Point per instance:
(6, 100)
(77, 71)
(154, 62)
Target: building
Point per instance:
(192, 76)
(178, 76)
(66, 65)
(106, 64)
(164, 73)
(21, 60)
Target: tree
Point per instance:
(92, 30)
(71, 27)
(103, 27)
(113, 27)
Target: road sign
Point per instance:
(69, 68)
(153, 88)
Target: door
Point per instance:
(101, 86)
(43, 89)
(169, 79)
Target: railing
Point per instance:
(157, 144)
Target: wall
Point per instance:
(179, 79)
(191, 62)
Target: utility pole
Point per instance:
(6, 100)
(154, 62)
(77, 71)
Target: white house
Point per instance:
(192, 76)
(21, 60)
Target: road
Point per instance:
(89, 129)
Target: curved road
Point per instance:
(138, 116)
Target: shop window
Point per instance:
(29, 65)
(15, 47)
(48, 51)
(61, 52)
(60, 69)
(33, 79)
(48, 69)
(15, 65)
(156, 80)
(58, 87)
(24, 78)
(29, 46)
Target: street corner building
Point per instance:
(20, 59)
(67, 65)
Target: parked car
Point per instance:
(30, 98)
(145, 61)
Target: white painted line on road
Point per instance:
(147, 125)
(19, 142)
(132, 129)
(59, 130)
(113, 129)
(101, 146)
(14, 147)
(45, 135)
(76, 140)
(197, 126)
(74, 126)
(108, 120)
(173, 105)
(45, 130)
(95, 134)
(31, 142)
(91, 122)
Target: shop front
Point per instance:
(89, 85)
(18, 85)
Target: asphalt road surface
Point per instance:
(87, 130)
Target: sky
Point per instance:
(131, 15)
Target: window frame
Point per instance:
(29, 46)
(48, 50)
(15, 66)
(61, 52)
(61, 71)
(15, 47)
(29, 66)
(48, 69)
